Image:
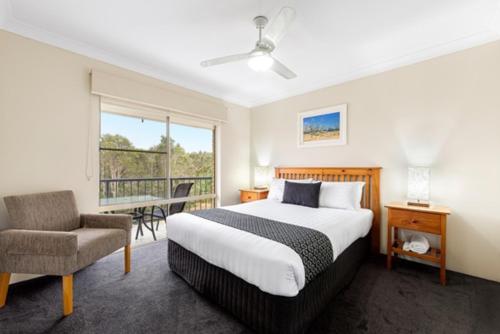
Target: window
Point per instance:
(136, 165)
(133, 159)
(192, 160)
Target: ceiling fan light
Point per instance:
(260, 63)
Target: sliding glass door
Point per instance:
(146, 158)
(133, 159)
(192, 160)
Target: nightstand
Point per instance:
(250, 195)
(429, 220)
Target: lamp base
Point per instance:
(260, 187)
(419, 204)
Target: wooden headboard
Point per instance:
(371, 192)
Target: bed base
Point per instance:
(261, 311)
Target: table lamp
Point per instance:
(418, 186)
(261, 177)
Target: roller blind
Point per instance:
(125, 89)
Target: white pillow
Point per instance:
(341, 195)
(277, 188)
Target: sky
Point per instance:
(148, 133)
(322, 121)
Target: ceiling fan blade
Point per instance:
(279, 25)
(282, 70)
(223, 60)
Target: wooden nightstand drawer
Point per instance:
(414, 220)
(249, 195)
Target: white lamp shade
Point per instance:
(419, 183)
(262, 176)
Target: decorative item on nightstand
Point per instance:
(418, 186)
(261, 177)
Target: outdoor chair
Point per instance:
(138, 215)
(158, 213)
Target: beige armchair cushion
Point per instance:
(38, 252)
(57, 253)
(123, 222)
(25, 242)
(55, 211)
(96, 243)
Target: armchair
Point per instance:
(49, 237)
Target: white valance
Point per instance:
(109, 85)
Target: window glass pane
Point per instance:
(123, 164)
(133, 160)
(132, 132)
(192, 158)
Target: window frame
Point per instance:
(138, 111)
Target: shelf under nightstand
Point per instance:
(433, 254)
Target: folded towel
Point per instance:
(419, 244)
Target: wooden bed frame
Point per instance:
(371, 192)
(273, 314)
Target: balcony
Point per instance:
(123, 195)
(114, 192)
(143, 160)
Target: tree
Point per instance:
(114, 164)
(142, 165)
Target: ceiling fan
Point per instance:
(260, 58)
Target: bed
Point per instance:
(277, 287)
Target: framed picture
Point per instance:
(323, 127)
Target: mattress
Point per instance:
(271, 266)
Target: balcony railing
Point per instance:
(157, 187)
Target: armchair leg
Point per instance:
(127, 259)
(67, 283)
(4, 287)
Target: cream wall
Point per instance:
(444, 113)
(45, 112)
(235, 148)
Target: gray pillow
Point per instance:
(305, 194)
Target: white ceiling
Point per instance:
(331, 41)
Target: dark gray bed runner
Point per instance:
(313, 246)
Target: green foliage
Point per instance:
(119, 165)
(140, 165)
(184, 164)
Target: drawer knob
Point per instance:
(413, 221)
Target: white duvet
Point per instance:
(267, 264)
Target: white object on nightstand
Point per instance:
(418, 186)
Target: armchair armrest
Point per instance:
(123, 222)
(29, 242)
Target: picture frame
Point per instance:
(322, 127)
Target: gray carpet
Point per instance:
(152, 299)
